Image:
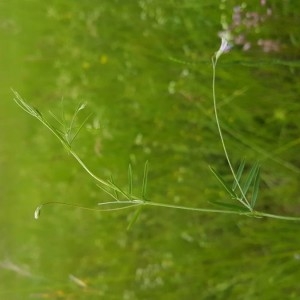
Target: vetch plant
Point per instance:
(243, 192)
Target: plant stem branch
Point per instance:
(245, 202)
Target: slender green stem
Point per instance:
(150, 203)
(245, 201)
(129, 204)
(138, 203)
(253, 213)
(105, 183)
(288, 218)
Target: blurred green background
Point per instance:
(144, 68)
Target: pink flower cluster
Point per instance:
(244, 23)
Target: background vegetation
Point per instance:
(144, 68)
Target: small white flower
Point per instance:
(225, 47)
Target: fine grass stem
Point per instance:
(215, 58)
(130, 180)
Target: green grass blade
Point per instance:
(145, 181)
(114, 191)
(134, 218)
(238, 174)
(251, 177)
(255, 188)
(130, 179)
(225, 186)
